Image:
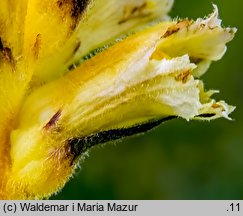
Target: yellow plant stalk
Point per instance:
(69, 80)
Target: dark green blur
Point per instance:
(178, 160)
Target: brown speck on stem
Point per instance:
(75, 9)
(183, 76)
(177, 27)
(132, 12)
(76, 47)
(53, 120)
(36, 47)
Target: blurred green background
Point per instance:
(178, 160)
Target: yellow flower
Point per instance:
(76, 73)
